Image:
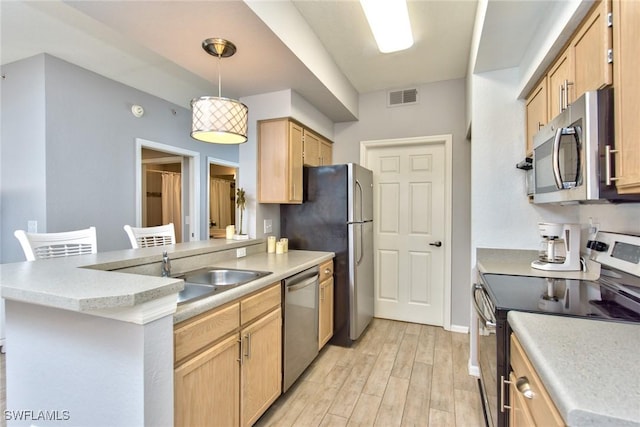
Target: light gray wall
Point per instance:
(441, 111)
(23, 168)
(85, 144)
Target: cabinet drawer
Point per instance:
(326, 270)
(204, 330)
(541, 406)
(260, 303)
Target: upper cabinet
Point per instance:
(582, 66)
(284, 145)
(279, 161)
(537, 112)
(626, 63)
(317, 150)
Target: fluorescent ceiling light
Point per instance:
(389, 22)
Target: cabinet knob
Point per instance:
(327, 271)
(524, 387)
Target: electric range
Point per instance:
(615, 296)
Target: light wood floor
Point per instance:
(397, 374)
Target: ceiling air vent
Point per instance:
(402, 97)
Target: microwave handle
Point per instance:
(555, 155)
(555, 159)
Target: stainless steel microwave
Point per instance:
(569, 161)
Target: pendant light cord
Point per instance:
(219, 78)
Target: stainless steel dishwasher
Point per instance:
(300, 324)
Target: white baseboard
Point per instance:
(473, 369)
(460, 329)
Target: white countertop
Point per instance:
(517, 262)
(85, 284)
(589, 367)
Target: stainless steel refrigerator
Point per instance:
(337, 216)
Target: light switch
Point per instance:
(32, 226)
(268, 226)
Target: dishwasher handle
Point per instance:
(296, 286)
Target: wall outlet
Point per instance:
(32, 226)
(240, 252)
(268, 226)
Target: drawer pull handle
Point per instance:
(524, 387)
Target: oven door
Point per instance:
(487, 353)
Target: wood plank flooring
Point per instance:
(396, 374)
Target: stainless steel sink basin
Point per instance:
(211, 280)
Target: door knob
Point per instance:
(436, 244)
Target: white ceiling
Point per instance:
(154, 46)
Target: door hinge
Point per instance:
(609, 56)
(610, 19)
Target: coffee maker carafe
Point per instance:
(560, 247)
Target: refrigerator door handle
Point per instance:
(359, 186)
(361, 246)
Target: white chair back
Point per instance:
(146, 237)
(54, 245)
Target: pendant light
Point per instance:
(216, 119)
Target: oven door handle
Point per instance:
(489, 323)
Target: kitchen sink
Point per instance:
(208, 281)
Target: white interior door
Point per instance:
(411, 231)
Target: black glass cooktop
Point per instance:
(560, 296)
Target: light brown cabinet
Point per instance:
(311, 145)
(279, 161)
(229, 361)
(325, 321)
(530, 404)
(537, 115)
(317, 150)
(582, 66)
(560, 78)
(626, 53)
(326, 152)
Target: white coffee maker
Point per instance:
(560, 247)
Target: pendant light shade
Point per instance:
(216, 119)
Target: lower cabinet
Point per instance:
(325, 320)
(232, 378)
(530, 404)
(261, 363)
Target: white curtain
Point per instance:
(172, 201)
(220, 202)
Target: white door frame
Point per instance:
(220, 162)
(447, 140)
(193, 219)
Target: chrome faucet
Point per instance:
(166, 264)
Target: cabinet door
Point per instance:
(626, 63)
(311, 148)
(560, 79)
(295, 163)
(326, 312)
(207, 387)
(326, 152)
(536, 113)
(261, 378)
(589, 49)
(519, 414)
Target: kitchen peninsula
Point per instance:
(90, 338)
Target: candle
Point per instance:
(271, 244)
(279, 248)
(231, 230)
(285, 244)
